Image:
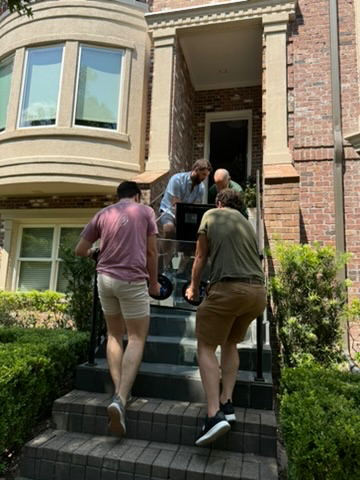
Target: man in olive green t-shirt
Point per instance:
(234, 297)
(223, 180)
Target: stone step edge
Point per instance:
(77, 455)
(156, 410)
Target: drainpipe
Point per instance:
(338, 140)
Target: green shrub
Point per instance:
(79, 273)
(34, 309)
(320, 423)
(309, 302)
(34, 363)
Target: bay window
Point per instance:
(98, 88)
(6, 68)
(41, 86)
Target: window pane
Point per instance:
(41, 88)
(6, 69)
(37, 242)
(69, 238)
(34, 275)
(98, 88)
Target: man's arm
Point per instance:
(201, 256)
(83, 248)
(152, 265)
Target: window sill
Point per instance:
(70, 132)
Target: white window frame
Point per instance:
(122, 87)
(3, 63)
(48, 47)
(54, 260)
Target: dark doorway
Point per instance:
(228, 148)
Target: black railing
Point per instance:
(259, 321)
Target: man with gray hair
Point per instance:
(223, 180)
(187, 187)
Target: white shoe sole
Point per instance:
(117, 422)
(216, 431)
(231, 418)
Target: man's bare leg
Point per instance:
(210, 375)
(229, 367)
(137, 330)
(114, 348)
(168, 250)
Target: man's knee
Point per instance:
(169, 230)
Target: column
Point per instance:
(161, 101)
(276, 148)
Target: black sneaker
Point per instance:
(229, 411)
(116, 412)
(213, 428)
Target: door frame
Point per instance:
(211, 117)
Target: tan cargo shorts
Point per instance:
(227, 311)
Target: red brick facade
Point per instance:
(182, 123)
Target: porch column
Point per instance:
(276, 144)
(4, 260)
(161, 101)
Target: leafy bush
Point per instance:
(34, 364)
(309, 302)
(34, 309)
(353, 317)
(79, 273)
(250, 192)
(320, 423)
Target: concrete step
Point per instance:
(176, 382)
(183, 351)
(60, 455)
(166, 421)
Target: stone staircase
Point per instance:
(164, 418)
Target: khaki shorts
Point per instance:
(130, 299)
(227, 311)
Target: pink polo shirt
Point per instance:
(123, 229)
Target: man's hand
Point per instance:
(154, 289)
(192, 293)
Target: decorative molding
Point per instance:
(354, 139)
(220, 13)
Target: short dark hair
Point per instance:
(231, 199)
(128, 190)
(202, 164)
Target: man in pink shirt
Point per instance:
(127, 262)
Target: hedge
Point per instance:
(33, 367)
(320, 423)
(34, 309)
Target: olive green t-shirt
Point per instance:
(232, 245)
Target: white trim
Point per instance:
(223, 117)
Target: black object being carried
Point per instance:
(165, 290)
(188, 219)
(202, 288)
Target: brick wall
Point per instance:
(182, 115)
(227, 100)
(310, 125)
